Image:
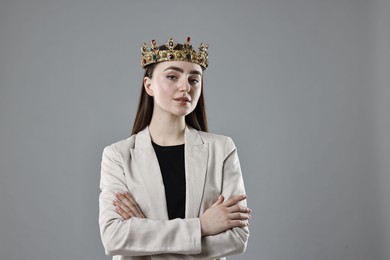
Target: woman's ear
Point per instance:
(148, 86)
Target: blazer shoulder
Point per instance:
(218, 140)
(122, 147)
(211, 137)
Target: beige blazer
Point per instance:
(212, 168)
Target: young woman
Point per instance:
(172, 190)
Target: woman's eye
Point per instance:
(171, 77)
(194, 81)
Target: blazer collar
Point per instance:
(196, 160)
(191, 137)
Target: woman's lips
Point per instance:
(183, 100)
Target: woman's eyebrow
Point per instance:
(181, 70)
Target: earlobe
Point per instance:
(148, 86)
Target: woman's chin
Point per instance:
(183, 112)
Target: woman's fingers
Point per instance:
(233, 206)
(127, 204)
(219, 201)
(122, 209)
(232, 201)
(123, 213)
(238, 223)
(139, 212)
(239, 208)
(240, 216)
(131, 206)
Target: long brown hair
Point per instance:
(196, 119)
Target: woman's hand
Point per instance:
(126, 206)
(222, 216)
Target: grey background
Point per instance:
(302, 87)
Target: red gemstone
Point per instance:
(188, 39)
(153, 42)
(171, 56)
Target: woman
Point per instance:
(172, 190)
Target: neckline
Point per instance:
(166, 147)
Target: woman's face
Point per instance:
(175, 87)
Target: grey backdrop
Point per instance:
(302, 86)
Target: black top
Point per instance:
(171, 161)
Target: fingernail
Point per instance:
(249, 216)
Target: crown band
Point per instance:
(156, 54)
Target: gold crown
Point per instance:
(186, 53)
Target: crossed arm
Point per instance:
(221, 216)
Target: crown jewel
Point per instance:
(155, 54)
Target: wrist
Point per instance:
(202, 231)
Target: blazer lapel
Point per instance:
(145, 161)
(196, 160)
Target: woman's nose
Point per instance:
(185, 85)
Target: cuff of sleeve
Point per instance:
(197, 237)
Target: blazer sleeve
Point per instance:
(233, 241)
(139, 236)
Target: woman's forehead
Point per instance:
(183, 65)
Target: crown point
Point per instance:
(188, 39)
(154, 45)
(170, 44)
